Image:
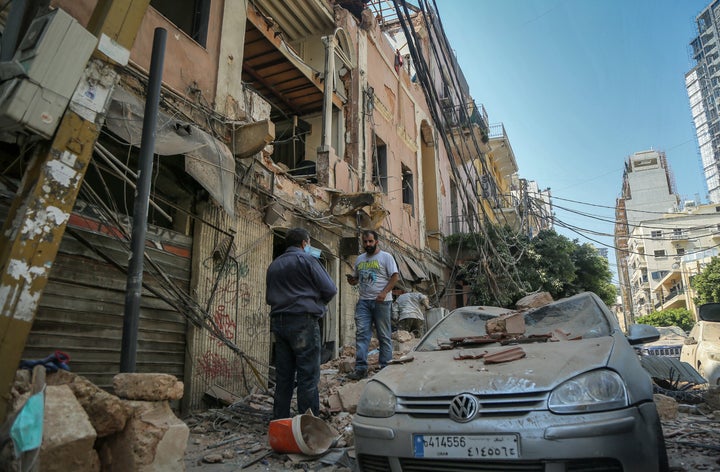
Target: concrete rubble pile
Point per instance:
(88, 429)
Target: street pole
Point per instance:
(133, 292)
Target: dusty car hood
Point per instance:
(545, 366)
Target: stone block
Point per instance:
(350, 395)
(667, 407)
(68, 435)
(154, 440)
(509, 323)
(107, 412)
(147, 387)
(534, 300)
(402, 336)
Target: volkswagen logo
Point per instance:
(464, 408)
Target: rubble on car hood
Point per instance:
(544, 367)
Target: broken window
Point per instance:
(289, 147)
(408, 189)
(379, 164)
(681, 251)
(191, 16)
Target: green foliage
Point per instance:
(675, 316)
(707, 283)
(550, 262)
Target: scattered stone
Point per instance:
(154, 439)
(667, 407)
(213, 459)
(68, 435)
(108, 413)
(147, 387)
(534, 300)
(402, 336)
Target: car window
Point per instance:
(456, 324)
(579, 316)
(711, 332)
(671, 331)
(575, 317)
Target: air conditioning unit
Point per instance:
(38, 83)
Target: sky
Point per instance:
(580, 85)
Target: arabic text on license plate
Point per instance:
(500, 446)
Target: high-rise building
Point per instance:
(648, 189)
(703, 87)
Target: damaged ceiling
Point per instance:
(272, 67)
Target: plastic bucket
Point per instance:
(303, 434)
(280, 435)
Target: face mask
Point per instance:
(312, 251)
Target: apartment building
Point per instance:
(272, 114)
(648, 190)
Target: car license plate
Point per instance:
(498, 446)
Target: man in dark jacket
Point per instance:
(297, 289)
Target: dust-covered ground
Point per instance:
(235, 438)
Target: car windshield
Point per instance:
(671, 331)
(576, 317)
(711, 332)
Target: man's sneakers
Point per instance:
(357, 375)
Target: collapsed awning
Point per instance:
(207, 160)
(410, 269)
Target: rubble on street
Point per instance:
(88, 429)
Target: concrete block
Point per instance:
(154, 440)
(534, 300)
(350, 395)
(68, 435)
(667, 407)
(108, 413)
(147, 387)
(510, 323)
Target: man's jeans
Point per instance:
(367, 313)
(297, 350)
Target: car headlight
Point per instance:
(593, 391)
(377, 401)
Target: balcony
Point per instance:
(679, 235)
(502, 153)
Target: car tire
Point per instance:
(663, 463)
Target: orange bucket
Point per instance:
(280, 435)
(303, 434)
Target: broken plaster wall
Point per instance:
(229, 279)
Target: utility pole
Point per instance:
(38, 216)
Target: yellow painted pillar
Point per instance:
(31, 235)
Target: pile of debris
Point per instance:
(85, 428)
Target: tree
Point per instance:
(510, 266)
(675, 316)
(707, 283)
(592, 273)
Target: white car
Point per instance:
(569, 394)
(702, 347)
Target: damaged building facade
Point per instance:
(273, 114)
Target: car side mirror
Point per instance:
(641, 333)
(689, 341)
